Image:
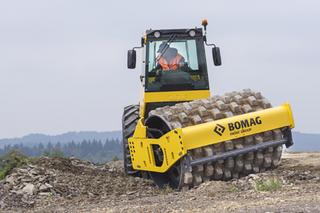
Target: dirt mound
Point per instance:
(71, 185)
(67, 178)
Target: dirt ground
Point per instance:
(77, 186)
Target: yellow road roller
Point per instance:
(179, 135)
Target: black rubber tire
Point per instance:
(129, 122)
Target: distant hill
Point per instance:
(34, 139)
(305, 142)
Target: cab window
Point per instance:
(189, 74)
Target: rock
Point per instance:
(28, 202)
(2, 204)
(131, 193)
(10, 180)
(253, 176)
(45, 194)
(29, 189)
(45, 187)
(33, 172)
(21, 171)
(8, 187)
(27, 180)
(48, 185)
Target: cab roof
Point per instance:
(179, 32)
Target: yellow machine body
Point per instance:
(192, 84)
(172, 96)
(176, 143)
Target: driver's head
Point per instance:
(162, 47)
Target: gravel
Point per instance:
(72, 185)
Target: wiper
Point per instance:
(163, 51)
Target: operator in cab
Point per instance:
(169, 58)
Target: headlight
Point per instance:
(157, 34)
(192, 33)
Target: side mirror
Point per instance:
(131, 62)
(216, 56)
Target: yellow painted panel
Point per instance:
(151, 97)
(237, 126)
(142, 156)
(141, 130)
(177, 142)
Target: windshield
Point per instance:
(176, 65)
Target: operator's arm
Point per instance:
(158, 67)
(182, 61)
(183, 65)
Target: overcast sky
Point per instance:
(63, 62)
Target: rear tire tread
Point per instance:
(129, 122)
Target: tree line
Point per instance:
(96, 151)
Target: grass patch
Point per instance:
(166, 190)
(115, 158)
(233, 189)
(271, 184)
(10, 161)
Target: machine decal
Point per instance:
(243, 126)
(246, 123)
(238, 127)
(219, 129)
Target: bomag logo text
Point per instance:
(244, 123)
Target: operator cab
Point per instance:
(175, 59)
(190, 73)
(175, 67)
